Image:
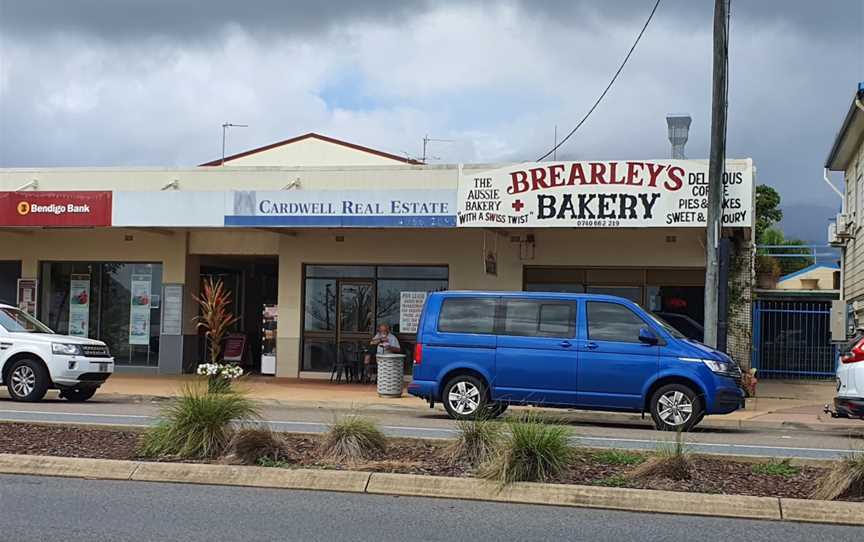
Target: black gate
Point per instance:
(792, 339)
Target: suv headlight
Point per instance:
(725, 368)
(65, 349)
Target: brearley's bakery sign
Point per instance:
(632, 193)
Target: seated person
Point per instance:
(385, 343)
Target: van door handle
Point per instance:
(565, 344)
(592, 346)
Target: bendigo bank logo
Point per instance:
(23, 208)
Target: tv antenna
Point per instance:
(225, 126)
(427, 140)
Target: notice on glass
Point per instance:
(172, 309)
(410, 307)
(139, 311)
(79, 305)
(27, 296)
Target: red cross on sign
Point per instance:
(517, 205)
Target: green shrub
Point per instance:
(776, 468)
(671, 461)
(352, 438)
(618, 457)
(846, 479)
(475, 441)
(252, 445)
(533, 451)
(197, 425)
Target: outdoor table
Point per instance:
(391, 373)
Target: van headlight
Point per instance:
(725, 368)
(65, 349)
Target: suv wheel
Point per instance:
(464, 396)
(27, 380)
(77, 395)
(676, 407)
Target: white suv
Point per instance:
(849, 401)
(34, 359)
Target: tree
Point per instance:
(787, 264)
(768, 210)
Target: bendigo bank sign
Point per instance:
(55, 209)
(648, 193)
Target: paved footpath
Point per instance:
(589, 429)
(41, 508)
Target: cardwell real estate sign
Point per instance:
(610, 194)
(55, 209)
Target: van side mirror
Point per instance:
(646, 336)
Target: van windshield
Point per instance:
(667, 326)
(18, 321)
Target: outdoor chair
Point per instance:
(347, 363)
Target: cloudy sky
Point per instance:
(149, 82)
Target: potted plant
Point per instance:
(215, 319)
(767, 272)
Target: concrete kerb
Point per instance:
(634, 500)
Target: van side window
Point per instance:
(539, 318)
(613, 322)
(467, 315)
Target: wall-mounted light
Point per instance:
(173, 185)
(34, 184)
(295, 184)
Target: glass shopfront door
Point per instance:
(343, 304)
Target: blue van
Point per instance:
(478, 352)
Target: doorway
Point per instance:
(253, 284)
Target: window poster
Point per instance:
(27, 296)
(79, 305)
(410, 307)
(139, 311)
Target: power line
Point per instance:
(614, 77)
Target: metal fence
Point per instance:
(792, 339)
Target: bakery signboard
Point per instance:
(610, 194)
(55, 209)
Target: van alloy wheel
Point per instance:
(675, 408)
(23, 380)
(464, 398)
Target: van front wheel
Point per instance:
(676, 407)
(464, 396)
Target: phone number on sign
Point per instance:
(597, 223)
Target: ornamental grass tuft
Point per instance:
(256, 446)
(672, 461)
(845, 480)
(352, 438)
(532, 451)
(475, 442)
(197, 425)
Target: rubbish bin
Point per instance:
(391, 373)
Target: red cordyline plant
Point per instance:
(215, 318)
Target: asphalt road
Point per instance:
(42, 508)
(425, 423)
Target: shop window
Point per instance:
(118, 303)
(341, 301)
(337, 271)
(633, 293)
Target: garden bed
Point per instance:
(407, 456)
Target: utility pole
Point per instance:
(716, 167)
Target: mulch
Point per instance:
(406, 456)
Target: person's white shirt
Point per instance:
(391, 341)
